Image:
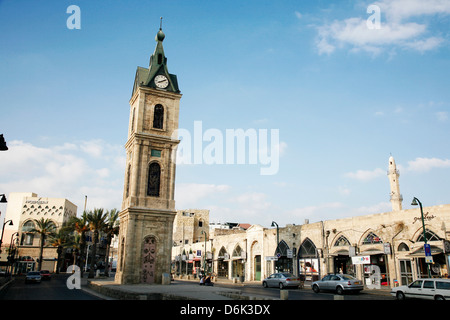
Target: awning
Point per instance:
(421, 252)
(371, 252)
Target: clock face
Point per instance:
(161, 81)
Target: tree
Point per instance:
(111, 229)
(60, 239)
(44, 227)
(96, 220)
(80, 226)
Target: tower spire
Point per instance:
(393, 175)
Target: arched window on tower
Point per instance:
(154, 179)
(158, 117)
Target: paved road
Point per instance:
(306, 294)
(54, 289)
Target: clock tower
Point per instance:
(148, 205)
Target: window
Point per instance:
(442, 285)
(158, 117)
(342, 242)
(428, 285)
(237, 251)
(154, 180)
(371, 238)
(416, 284)
(430, 235)
(403, 247)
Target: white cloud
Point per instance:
(376, 208)
(442, 116)
(398, 10)
(64, 172)
(426, 164)
(394, 32)
(188, 195)
(366, 175)
(317, 211)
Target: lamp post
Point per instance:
(278, 238)
(414, 203)
(3, 198)
(3, 231)
(3, 146)
(204, 255)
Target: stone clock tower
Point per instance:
(148, 206)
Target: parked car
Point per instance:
(437, 289)
(33, 276)
(45, 275)
(338, 282)
(281, 280)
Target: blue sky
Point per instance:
(344, 97)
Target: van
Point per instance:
(433, 289)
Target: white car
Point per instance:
(433, 289)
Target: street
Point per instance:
(54, 289)
(299, 294)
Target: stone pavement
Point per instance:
(179, 290)
(108, 289)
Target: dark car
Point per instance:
(45, 274)
(338, 282)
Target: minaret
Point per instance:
(393, 174)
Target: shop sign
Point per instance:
(270, 258)
(387, 248)
(289, 253)
(426, 217)
(361, 260)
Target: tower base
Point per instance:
(145, 245)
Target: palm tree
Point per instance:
(44, 227)
(80, 226)
(60, 239)
(111, 229)
(96, 221)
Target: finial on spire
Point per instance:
(160, 35)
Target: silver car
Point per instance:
(281, 280)
(338, 282)
(33, 276)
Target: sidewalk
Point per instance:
(182, 290)
(177, 290)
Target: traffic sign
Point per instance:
(427, 249)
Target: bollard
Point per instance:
(284, 294)
(165, 278)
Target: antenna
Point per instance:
(160, 23)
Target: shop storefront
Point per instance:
(284, 258)
(308, 261)
(222, 263)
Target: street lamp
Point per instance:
(414, 203)
(3, 146)
(204, 256)
(3, 198)
(3, 231)
(278, 235)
